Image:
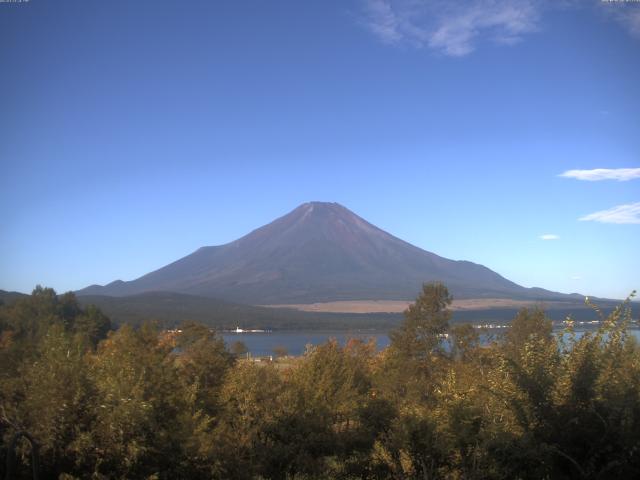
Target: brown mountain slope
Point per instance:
(319, 252)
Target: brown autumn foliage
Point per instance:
(138, 403)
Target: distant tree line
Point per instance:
(144, 404)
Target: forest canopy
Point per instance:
(437, 403)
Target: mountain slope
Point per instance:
(318, 252)
(8, 298)
(171, 309)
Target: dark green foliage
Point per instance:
(92, 324)
(170, 309)
(149, 403)
(238, 348)
(464, 339)
(425, 322)
(202, 363)
(30, 317)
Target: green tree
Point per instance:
(464, 340)
(238, 348)
(425, 322)
(529, 323)
(92, 324)
(246, 442)
(53, 400)
(136, 430)
(415, 355)
(203, 362)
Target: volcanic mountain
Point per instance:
(319, 252)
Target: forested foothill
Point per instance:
(143, 403)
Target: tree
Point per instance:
(53, 400)
(464, 339)
(238, 348)
(92, 324)
(148, 404)
(425, 322)
(203, 362)
(30, 317)
(323, 408)
(529, 324)
(137, 417)
(245, 442)
(280, 351)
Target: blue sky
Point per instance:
(132, 133)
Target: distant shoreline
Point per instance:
(399, 306)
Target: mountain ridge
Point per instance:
(319, 252)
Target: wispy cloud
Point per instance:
(576, 277)
(626, 14)
(549, 236)
(620, 174)
(383, 21)
(629, 213)
(455, 27)
(452, 28)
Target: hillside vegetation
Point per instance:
(145, 403)
(171, 309)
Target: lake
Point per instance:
(262, 344)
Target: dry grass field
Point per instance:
(398, 306)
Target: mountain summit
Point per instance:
(318, 252)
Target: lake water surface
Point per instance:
(295, 342)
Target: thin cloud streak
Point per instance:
(621, 214)
(627, 15)
(451, 28)
(549, 236)
(454, 28)
(383, 21)
(597, 174)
